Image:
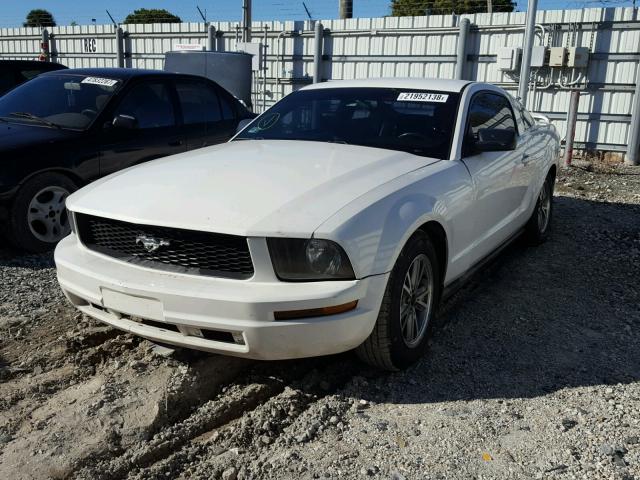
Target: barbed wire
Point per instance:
(281, 11)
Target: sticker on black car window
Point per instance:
(103, 82)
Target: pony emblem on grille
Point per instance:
(151, 244)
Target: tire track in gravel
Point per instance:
(257, 429)
(174, 442)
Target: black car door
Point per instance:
(149, 129)
(206, 117)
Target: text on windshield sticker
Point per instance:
(422, 97)
(105, 82)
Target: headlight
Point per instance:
(297, 259)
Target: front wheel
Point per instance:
(410, 301)
(38, 218)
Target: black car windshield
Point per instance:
(63, 101)
(416, 121)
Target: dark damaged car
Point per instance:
(65, 129)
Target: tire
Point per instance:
(538, 227)
(37, 217)
(388, 347)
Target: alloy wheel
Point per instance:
(416, 301)
(47, 216)
(544, 209)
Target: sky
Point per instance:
(13, 12)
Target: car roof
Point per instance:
(32, 63)
(453, 86)
(115, 73)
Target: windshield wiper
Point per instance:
(35, 118)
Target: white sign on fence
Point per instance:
(188, 47)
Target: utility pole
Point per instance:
(489, 6)
(346, 8)
(525, 68)
(246, 20)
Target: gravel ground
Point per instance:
(533, 372)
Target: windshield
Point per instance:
(61, 101)
(416, 121)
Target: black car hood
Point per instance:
(16, 136)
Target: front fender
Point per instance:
(375, 227)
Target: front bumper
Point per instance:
(233, 317)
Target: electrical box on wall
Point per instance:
(254, 49)
(577, 57)
(509, 58)
(539, 56)
(557, 56)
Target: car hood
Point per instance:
(14, 136)
(251, 188)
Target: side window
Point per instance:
(150, 104)
(199, 103)
(490, 110)
(228, 111)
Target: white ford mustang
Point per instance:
(335, 220)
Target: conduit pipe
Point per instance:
(525, 69)
(462, 48)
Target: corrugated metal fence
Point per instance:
(392, 47)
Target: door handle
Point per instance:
(525, 158)
(175, 143)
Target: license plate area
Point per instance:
(142, 307)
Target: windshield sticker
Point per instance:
(103, 82)
(268, 121)
(422, 97)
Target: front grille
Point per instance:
(184, 251)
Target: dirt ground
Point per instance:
(533, 372)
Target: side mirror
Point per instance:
(125, 121)
(495, 140)
(243, 123)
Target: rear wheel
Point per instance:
(538, 226)
(38, 218)
(400, 335)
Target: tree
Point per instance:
(152, 15)
(39, 18)
(400, 8)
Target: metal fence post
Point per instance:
(461, 59)
(525, 68)
(317, 54)
(211, 38)
(633, 147)
(120, 47)
(572, 118)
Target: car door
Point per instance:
(498, 196)
(535, 144)
(150, 130)
(203, 121)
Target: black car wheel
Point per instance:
(400, 335)
(538, 226)
(38, 218)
